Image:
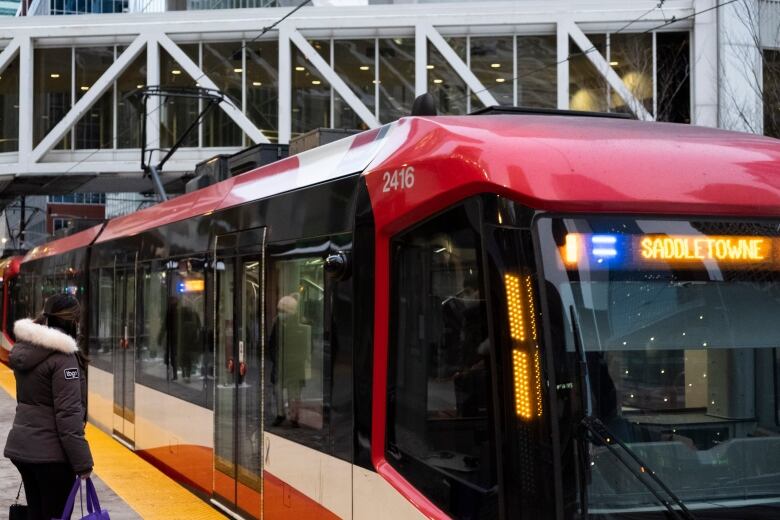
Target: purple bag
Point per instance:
(93, 504)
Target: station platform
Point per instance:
(129, 487)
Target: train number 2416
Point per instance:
(400, 179)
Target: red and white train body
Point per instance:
(413, 322)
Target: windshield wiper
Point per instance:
(599, 430)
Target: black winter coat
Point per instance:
(51, 396)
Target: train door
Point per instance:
(239, 274)
(124, 354)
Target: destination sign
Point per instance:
(674, 251)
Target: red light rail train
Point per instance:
(495, 316)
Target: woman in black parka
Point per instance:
(46, 442)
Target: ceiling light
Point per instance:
(175, 72)
(500, 80)
(139, 86)
(495, 65)
(614, 63)
(84, 88)
(299, 69)
(437, 81)
(376, 82)
(316, 82)
(364, 67)
(238, 70)
(257, 84)
(54, 75)
(398, 41)
(429, 67)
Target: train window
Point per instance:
(102, 302)
(777, 386)
(188, 361)
(2, 298)
(152, 368)
(440, 434)
(13, 306)
(297, 356)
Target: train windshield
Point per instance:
(677, 328)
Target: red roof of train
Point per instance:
(563, 163)
(343, 157)
(62, 245)
(578, 164)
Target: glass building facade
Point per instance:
(517, 69)
(9, 107)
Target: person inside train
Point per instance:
(290, 344)
(46, 442)
(184, 338)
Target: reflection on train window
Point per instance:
(439, 434)
(102, 303)
(296, 356)
(777, 386)
(249, 388)
(681, 362)
(11, 310)
(171, 348)
(152, 368)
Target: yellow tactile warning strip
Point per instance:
(144, 488)
(7, 381)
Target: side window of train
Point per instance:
(440, 413)
(101, 320)
(300, 347)
(172, 342)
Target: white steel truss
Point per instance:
(426, 23)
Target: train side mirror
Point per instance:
(337, 266)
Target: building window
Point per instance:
(59, 7)
(129, 107)
(61, 223)
(9, 107)
(631, 57)
(587, 87)
(224, 64)
(396, 76)
(177, 113)
(445, 85)
(52, 91)
(262, 84)
(311, 94)
(78, 198)
(355, 63)
(771, 93)
(537, 74)
(673, 77)
(492, 62)
(95, 129)
(440, 413)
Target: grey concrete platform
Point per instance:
(10, 479)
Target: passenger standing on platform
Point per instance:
(46, 442)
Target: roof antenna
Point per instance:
(424, 105)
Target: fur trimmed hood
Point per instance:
(28, 331)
